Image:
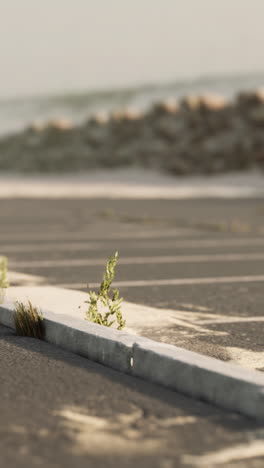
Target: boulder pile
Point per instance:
(199, 134)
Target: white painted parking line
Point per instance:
(153, 260)
(105, 244)
(30, 226)
(170, 282)
(104, 235)
(57, 246)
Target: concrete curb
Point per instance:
(192, 374)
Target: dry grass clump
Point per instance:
(28, 321)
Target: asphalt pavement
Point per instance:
(58, 409)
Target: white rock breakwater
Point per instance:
(198, 135)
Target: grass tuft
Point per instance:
(3, 277)
(103, 309)
(28, 321)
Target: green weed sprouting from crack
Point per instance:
(3, 277)
(28, 321)
(102, 300)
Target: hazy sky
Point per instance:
(57, 45)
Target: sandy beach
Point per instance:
(132, 184)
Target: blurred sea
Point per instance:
(17, 113)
